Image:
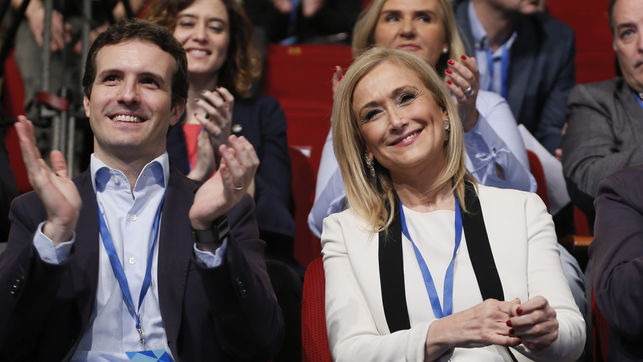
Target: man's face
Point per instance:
(525, 7)
(130, 107)
(628, 40)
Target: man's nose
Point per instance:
(129, 93)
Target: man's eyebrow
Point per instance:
(625, 25)
(156, 76)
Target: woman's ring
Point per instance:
(238, 188)
(468, 92)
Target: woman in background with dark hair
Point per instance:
(223, 64)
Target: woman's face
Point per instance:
(400, 122)
(412, 25)
(204, 31)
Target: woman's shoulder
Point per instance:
(506, 199)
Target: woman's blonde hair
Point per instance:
(364, 31)
(243, 65)
(373, 198)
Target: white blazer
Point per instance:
(523, 242)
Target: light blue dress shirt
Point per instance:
(481, 44)
(494, 139)
(129, 214)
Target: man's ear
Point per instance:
(177, 112)
(86, 106)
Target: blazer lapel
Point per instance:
(521, 63)
(174, 256)
(392, 275)
(627, 98)
(84, 261)
(392, 267)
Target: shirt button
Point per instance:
(493, 150)
(132, 217)
(116, 180)
(132, 260)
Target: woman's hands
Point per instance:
(535, 323)
(463, 80)
(216, 117)
(532, 324)
(481, 325)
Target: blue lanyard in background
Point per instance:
(638, 99)
(504, 69)
(120, 273)
(447, 296)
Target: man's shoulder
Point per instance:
(596, 91)
(551, 33)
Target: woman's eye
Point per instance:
(391, 18)
(424, 18)
(186, 24)
(371, 114)
(407, 97)
(216, 28)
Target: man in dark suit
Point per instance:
(532, 58)
(605, 119)
(615, 260)
(131, 257)
(8, 189)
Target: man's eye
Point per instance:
(150, 81)
(110, 78)
(627, 33)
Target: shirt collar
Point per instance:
(159, 172)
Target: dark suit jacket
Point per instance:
(541, 72)
(226, 313)
(604, 135)
(8, 189)
(616, 262)
(264, 125)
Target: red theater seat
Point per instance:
(299, 76)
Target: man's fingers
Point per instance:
(58, 163)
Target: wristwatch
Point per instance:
(218, 231)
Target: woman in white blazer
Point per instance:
(426, 265)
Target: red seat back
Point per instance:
(536, 169)
(600, 332)
(299, 76)
(306, 246)
(13, 94)
(313, 315)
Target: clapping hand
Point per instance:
(220, 193)
(216, 117)
(55, 189)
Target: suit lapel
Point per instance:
(392, 267)
(392, 275)
(174, 255)
(627, 98)
(521, 63)
(84, 261)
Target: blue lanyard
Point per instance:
(504, 69)
(638, 99)
(447, 296)
(120, 273)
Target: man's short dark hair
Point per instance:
(610, 14)
(136, 29)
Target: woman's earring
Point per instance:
(447, 124)
(369, 165)
(445, 50)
